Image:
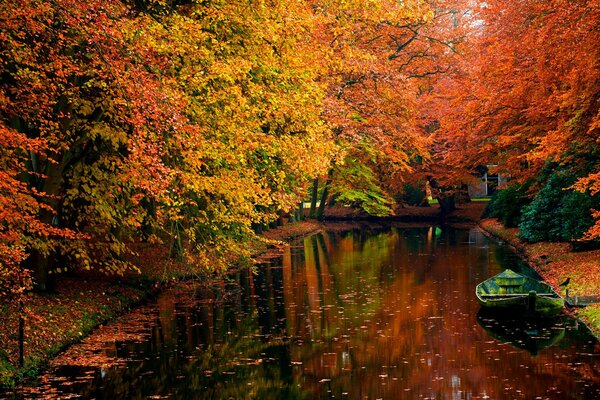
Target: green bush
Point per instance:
(557, 213)
(413, 195)
(576, 215)
(506, 204)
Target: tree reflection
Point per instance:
(379, 314)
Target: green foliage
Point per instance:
(591, 315)
(506, 204)
(557, 213)
(575, 214)
(7, 371)
(356, 186)
(413, 195)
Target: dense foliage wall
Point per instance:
(188, 123)
(524, 96)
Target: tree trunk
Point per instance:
(176, 248)
(39, 262)
(447, 205)
(147, 228)
(21, 332)
(280, 218)
(463, 196)
(21, 335)
(300, 212)
(313, 199)
(324, 196)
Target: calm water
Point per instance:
(384, 313)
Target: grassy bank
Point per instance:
(54, 321)
(82, 303)
(556, 262)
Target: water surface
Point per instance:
(386, 313)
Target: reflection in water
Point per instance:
(531, 335)
(388, 313)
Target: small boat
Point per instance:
(515, 293)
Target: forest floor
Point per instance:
(82, 303)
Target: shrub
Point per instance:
(506, 204)
(413, 195)
(575, 214)
(557, 213)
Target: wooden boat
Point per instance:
(512, 292)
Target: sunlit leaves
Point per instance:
(526, 90)
(200, 121)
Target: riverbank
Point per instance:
(464, 213)
(91, 300)
(83, 302)
(54, 321)
(556, 262)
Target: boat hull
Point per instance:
(549, 307)
(517, 294)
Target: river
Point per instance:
(378, 313)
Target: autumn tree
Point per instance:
(522, 97)
(76, 81)
(254, 107)
(189, 122)
(379, 53)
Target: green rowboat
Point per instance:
(516, 293)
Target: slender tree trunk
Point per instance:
(147, 227)
(176, 248)
(324, 196)
(300, 211)
(38, 261)
(313, 199)
(21, 322)
(447, 205)
(117, 232)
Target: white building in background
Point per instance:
(488, 184)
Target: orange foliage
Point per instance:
(192, 121)
(378, 54)
(522, 96)
(20, 228)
